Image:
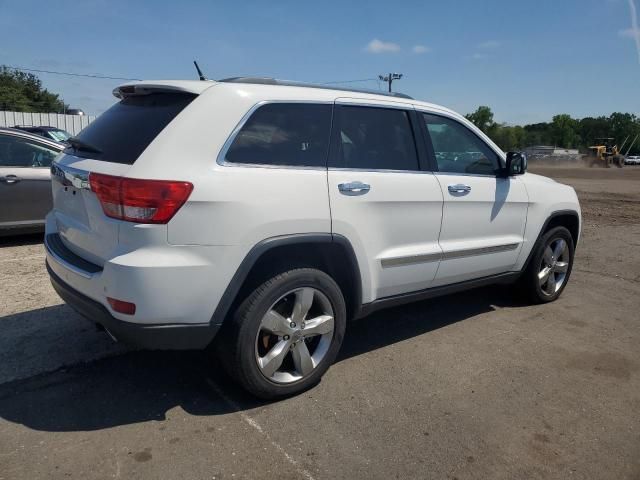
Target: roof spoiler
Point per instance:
(147, 88)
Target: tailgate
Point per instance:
(80, 221)
(110, 145)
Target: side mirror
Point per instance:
(516, 163)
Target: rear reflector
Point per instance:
(137, 200)
(121, 306)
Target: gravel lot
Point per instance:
(467, 386)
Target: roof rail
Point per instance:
(289, 83)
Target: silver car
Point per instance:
(25, 182)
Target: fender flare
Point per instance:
(555, 214)
(262, 247)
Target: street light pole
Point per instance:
(390, 78)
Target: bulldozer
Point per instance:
(604, 154)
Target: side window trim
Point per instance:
(334, 146)
(221, 159)
(429, 144)
(426, 157)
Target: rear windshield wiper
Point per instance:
(78, 144)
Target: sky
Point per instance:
(527, 60)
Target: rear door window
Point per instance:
(126, 129)
(288, 134)
(18, 152)
(374, 138)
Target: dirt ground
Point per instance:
(473, 385)
(610, 202)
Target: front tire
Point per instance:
(550, 266)
(285, 334)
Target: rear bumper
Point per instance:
(153, 337)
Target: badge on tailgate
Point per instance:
(69, 176)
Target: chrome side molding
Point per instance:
(479, 251)
(398, 261)
(433, 257)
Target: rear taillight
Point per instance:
(137, 200)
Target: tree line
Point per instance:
(563, 131)
(23, 92)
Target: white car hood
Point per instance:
(532, 177)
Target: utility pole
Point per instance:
(390, 78)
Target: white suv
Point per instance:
(266, 213)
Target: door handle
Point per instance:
(354, 188)
(459, 188)
(10, 179)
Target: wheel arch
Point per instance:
(565, 218)
(560, 218)
(330, 253)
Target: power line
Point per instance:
(350, 81)
(68, 73)
(108, 77)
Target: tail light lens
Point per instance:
(137, 200)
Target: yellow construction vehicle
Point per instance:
(605, 153)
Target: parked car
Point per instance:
(256, 216)
(632, 160)
(25, 181)
(51, 133)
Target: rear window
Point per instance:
(124, 131)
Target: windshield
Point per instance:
(59, 135)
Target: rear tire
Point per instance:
(264, 346)
(550, 266)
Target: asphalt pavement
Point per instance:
(474, 385)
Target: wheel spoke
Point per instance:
(543, 276)
(551, 283)
(559, 249)
(318, 326)
(561, 267)
(303, 302)
(272, 361)
(302, 359)
(275, 323)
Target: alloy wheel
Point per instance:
(554, 266)
(294, 335)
